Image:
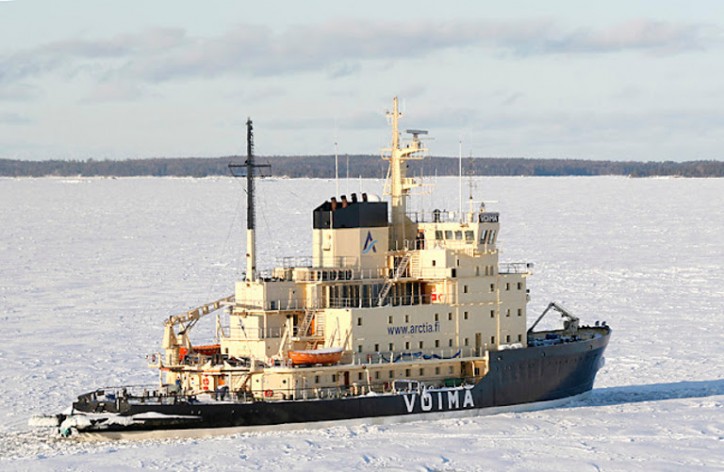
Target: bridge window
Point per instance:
(469, 235)
(448, 234)
(438, 234)
(458, 235)
(484, 236)
(491, 237)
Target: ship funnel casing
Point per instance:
(353, 235)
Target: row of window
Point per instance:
(391, 319)
(486, 236)
(492, 286)
(391, 374)
(489, 270)
(455, 235)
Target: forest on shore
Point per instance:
(366, 166)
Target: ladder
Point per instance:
(306, 323)
(401, 267)
(310, 314)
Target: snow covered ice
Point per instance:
(91, 267)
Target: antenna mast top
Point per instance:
(398, 184)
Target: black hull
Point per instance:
(516, 376)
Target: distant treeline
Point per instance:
(356, 166)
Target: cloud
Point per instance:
(115, 91)
(19, 92)
(511, 98)
(73, 53)
(656, 37)
(338, 47)
(14, 119)
(343, 69)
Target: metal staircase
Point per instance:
(399, 271)
(310, 315)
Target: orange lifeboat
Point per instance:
(205, 350)
(325, 356)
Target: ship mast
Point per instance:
(250, 170)
(250, 214)
(398, 184)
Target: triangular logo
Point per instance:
(369, 244)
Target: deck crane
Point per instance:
(172, 341)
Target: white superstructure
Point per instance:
(418, 297)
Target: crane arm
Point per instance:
(189, 318)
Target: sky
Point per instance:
(616, 80)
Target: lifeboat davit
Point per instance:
(324, 356)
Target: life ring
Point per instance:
(205, 381)
(268, 393)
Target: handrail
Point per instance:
(515, 268)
